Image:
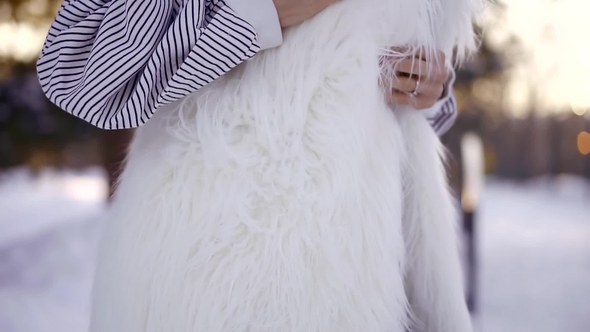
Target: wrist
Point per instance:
(263, 16)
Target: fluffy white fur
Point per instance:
(287, 196)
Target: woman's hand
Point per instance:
(292, 12)
(417, 81)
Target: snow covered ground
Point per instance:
(49, 228)
(534, 249)
(535, 257)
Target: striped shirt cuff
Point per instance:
(443, 114)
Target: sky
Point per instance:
(553, 37)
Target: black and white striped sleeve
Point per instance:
(114, 62)
(443, 114)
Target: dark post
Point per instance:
(473, 179)
(469, 230)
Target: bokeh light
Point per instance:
(584, 142)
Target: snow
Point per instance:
(50, 226)
(31, 204)
(534, 243)
(535, 257)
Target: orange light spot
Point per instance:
(584, 142)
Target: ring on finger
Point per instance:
(415, 92)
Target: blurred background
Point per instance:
(520, 168)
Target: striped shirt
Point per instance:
(443, 114)
(113, 63)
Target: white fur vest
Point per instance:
(287, 196)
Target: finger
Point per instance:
(430, 89)
(418, 102)
(402, 98)
(405, 84)
(410, 85)
(429, 67)
(399, 97)
(412, 67)
(422, 70)
(421, 54)
(440, 72)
